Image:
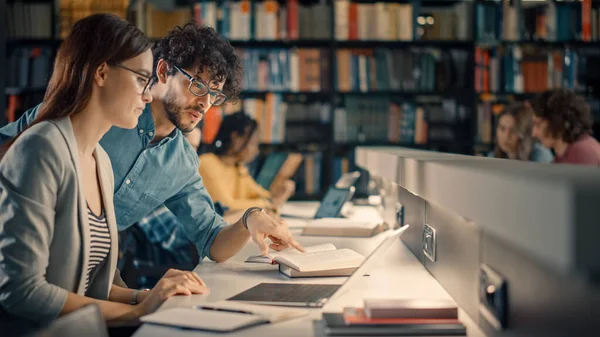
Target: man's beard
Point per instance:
(174, 112)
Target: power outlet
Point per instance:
(429, 242)
(493, 297)
(399, 215)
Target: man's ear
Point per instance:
(101, 74)
(162, 71)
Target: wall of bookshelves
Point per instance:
(324, 76)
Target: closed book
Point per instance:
(334, 325)
(410, 308)
(357, 317)
(291, 272)
(343, 227)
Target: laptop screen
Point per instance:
(269, 169)
(332, 203)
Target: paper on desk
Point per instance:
(296, 223)
(270, 313)
(345, 223)
(364, 213)
(298, 211)
(211, 320)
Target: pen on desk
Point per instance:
(202, 307)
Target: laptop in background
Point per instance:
(332, 203)
(278, 166)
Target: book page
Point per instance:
(290, 251)
(323, 260)
(343, 223)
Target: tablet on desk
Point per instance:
(312, 295)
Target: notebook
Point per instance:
(210, 320)
(319, 260)
(222, 316)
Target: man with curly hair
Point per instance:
(562, 122)
(194, 69)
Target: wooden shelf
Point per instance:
(456, 44)
(20, 42)
(281, 43)
(24, 91)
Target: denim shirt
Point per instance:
(150, 175)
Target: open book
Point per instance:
(344, 227)
(320, 260)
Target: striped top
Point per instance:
(100, 244)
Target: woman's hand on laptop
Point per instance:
(174, 282)
(262, 226)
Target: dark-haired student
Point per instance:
(224, 169)
(194, 68)
(562, 122)
(58, 230)
(513, 136)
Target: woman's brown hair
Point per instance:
(93, 40)
(522, 114)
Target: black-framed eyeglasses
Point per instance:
(198, 88)
(146, 79)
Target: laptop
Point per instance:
(312, 295)
(278, 165)
(330, 207)
(348, 180)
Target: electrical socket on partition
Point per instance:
(429, 242)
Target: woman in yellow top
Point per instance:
(224, 170)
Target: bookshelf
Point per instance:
(363, 76)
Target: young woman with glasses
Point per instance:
(58, 231)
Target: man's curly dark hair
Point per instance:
(194, 44)
(568, 114)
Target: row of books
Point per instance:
(362, 119)
(409, 69)
(308, 176)
(548, 21)
(28, 20)
(71, 11)
(518, 70)
(377, 120)
(282, 121)
(285, 69)
(266, 20)
(29, 67)
(373, 21)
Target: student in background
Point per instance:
(224, 170)
(514, 139)
(58, 230)
(562, 122)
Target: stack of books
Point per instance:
(394, 317)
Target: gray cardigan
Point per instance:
(44, 231)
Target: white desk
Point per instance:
(397, 274)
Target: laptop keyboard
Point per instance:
(287, 292)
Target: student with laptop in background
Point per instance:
(224, 169)
(194, 69)
(58, 229)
